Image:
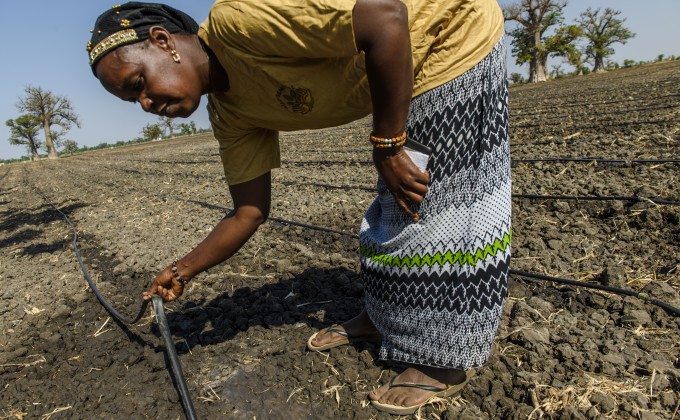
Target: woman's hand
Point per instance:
(166, 286)
(406, 182)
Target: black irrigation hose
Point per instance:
(599, 104)
(606, 123)
(564, 141)
(578, 159)
(182, 388)
(527, 196)
(326, 162)
(626, 292)
(597, 159)
(329, 186)
(275, 219)
(97, 293)
(638, 110)
(598, 198)
(162, 321)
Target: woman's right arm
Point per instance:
(252, 200)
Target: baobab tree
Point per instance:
(534, 17)
(167, 123)
(602, 29)
(51, 110)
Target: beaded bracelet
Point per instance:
(176, 274)
(382, 142)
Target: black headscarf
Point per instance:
(130, 22)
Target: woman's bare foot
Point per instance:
(360, 327)
(392, 394)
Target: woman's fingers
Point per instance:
(167, 294)
(404, 205)
(152, 291)
(164, 291)
(414, 197)
(415, 191)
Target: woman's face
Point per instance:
(147, 74)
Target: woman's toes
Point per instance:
(317, 341)
(377, 394)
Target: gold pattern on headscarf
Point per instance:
(112, 41)
(125, 23)
(89, 46)
(115, 6)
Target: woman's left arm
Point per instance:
(381, 32)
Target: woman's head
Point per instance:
(149, 53)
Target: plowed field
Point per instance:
(240, 329)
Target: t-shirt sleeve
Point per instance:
(248, 154)
(284, 28)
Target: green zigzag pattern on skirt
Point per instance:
(458, 257)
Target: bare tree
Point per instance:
(167, 123)
(534, 18)
(602, 30)
(52, 110)
(24, 131)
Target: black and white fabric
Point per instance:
(435, 288)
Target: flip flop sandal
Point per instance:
(438, 392)
(345, 339)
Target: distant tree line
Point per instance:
(542, 33)
(53, 116)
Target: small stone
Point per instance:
(637, 398)
(555, 244)
(614, 275)
(637, 317)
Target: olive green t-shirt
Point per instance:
(294, 65)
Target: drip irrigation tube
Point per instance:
(275, 219)
(182, 388)
(330, 187)
(527, 196)
(597, 198)
(596, 159)
(579, 104)
(626, 292)
(326, 162)
(161, 320)
(536, 160)
(614, 123)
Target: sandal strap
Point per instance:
(335, 329)
(424, 387)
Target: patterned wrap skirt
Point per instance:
(435, 288)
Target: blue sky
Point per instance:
(44, 45)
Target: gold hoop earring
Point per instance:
(175, 56)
